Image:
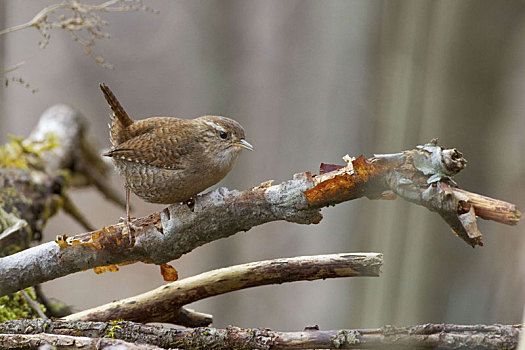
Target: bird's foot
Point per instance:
(123, 219)
(131, 229)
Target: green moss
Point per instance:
(19, 154)
(49, 143)
(114, 326)
(14, 306)
(50, 208)
(11, 153)
(8, 192)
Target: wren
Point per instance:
(168, 160)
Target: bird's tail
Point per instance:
(120, 120)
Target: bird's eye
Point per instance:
(223, 134)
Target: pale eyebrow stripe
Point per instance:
(213, 125)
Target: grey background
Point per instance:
(310, 81)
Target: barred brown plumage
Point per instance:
(168, 160)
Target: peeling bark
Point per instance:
(422, 175)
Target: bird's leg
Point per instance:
(128, 219)
(127, 206)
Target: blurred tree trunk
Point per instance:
(2, 67)
(440, 73)
(311, 81)
(280, 64)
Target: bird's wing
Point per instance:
(156, 147)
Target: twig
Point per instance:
(70, 208)
(34, 305)
(95, 172)
(17, 80)
(491, 209)
(443, 336)
(76, 18)
(162, 304)
(15, 67)
(54, 308)
(424, 176)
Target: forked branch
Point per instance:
(423, 176)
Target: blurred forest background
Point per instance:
(310, 81)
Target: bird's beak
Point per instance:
(244, 144)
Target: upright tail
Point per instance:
(120, 119)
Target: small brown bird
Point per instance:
(169, 160)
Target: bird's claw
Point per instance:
(131, 229)
(124, 220)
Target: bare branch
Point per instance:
(82, 21)
(35, 172)
(422, 175)
(15, 67)
(18, 80)
(34, 305)
(163, 304)
(489, 208)
(75, 213)
(443, 336)
(59, 341)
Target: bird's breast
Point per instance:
(160, 185)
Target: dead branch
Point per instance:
(33, 304)
(422, 175)
(58, 341)
(35, 174)
(443, 336)
(18, 80)
(163, 304)
(83, 22)
(13, 68)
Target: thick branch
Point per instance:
(165, 236)
(32, 176)
(163, 304)
(35, 174)
(443, 336)
(422, 176)
(33, 341)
